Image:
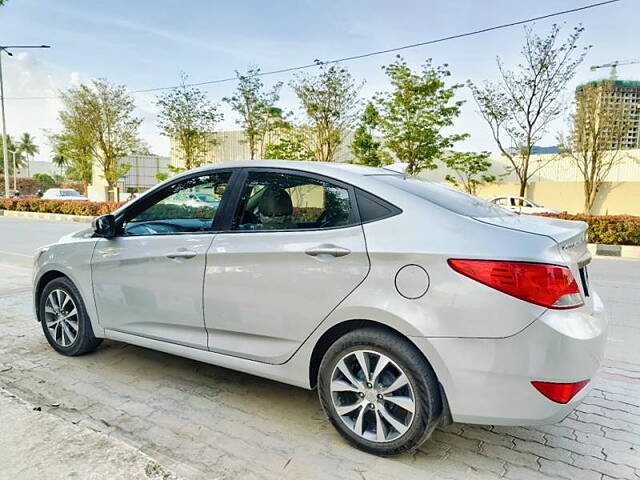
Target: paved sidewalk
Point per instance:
(36, 444)
(205, 422)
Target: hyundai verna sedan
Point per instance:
(407, 304)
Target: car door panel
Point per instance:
(265, 292)
(147, 281)
(152, 286)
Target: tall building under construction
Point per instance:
(628, 93)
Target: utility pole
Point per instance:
(5, 153)
(15, 180)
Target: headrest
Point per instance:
(275, 202)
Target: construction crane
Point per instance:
(614, 65)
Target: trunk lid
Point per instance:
(570, 235)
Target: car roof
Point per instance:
(307, 166)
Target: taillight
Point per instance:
(550, 286)
(559, 392)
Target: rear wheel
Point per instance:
(379, 392)
(64, 319)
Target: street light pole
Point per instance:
(15, 183)
(3, 49)
(5, 154)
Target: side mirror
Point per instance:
(104, 226)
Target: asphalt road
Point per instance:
(202, 421)
(20, 237)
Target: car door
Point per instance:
(147, 280)
(293, 251)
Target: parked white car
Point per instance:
(407, 304)
(521, 205)
(63, 194)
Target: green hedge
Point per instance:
(66, 207)
(608, 229)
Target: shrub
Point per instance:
(66, 207)
(608, 229)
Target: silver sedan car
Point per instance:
(407, 304)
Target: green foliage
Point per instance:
(328, 101)
(365, 149)
(414, 113)
(27, 146)
(74, 150)
(469, 169)
(46, 180)
(255, 107)
(607, 229)
(58, 206)
(162, 176)
(290, 146)
(14, 146)
(99, 120)
(189, 119)
(522, 104)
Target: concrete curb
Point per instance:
(50, 217)
(623, 251)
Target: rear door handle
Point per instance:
(182, 254)
(328, 249)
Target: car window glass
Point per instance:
(444, 196)
(186, 207)
(373, 208)
(283, 201)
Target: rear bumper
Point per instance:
(488, 381)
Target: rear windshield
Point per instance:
(444, 196)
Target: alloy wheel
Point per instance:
(373, 396)
(61, 317)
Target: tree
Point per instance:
(415, 112)
(100, 118)
(470, 170)
(73, 150)
(598, 129)
(27, 146)
(46, 180)
(290, 146)
(364, 147)
(255, 108)
(189, 119)
(60, 161)
(12, 146)
(522, 104)
(328, 101)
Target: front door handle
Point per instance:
(182, 254)
(328, 249)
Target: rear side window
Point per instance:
(444, 196)
(286, 201)
(373, 208)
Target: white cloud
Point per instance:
(31, 88)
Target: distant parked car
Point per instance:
(521, 205)
(63, 194)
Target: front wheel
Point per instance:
(64, 319)
(379, 392)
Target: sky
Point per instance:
(149, 43)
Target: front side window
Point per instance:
(284, 201)
(186, 207)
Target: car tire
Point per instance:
(380, 425)
(72, 335)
